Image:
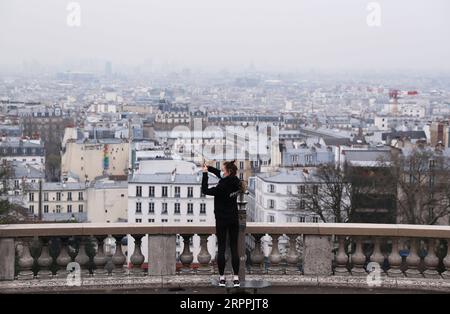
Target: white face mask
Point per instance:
(222, 174)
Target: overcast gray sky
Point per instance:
(414, 34)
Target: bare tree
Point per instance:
(336, 194)
(423, 180)
(326, 195)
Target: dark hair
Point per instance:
(231, 167)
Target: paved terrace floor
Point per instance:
(201, 284)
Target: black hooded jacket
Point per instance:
(225, 195)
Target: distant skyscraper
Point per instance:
(108, 69)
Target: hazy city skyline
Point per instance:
(233, 34)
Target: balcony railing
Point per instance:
(405, 256)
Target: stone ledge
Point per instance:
(191, 281)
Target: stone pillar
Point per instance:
(119, 258)
(431, 260)
(7, 258)
(82, 258)
(63, 258)
(256, 256)
(137, 258)
(187, 257)
(100, 258)
(341, 259)
(358, 259)
(377, 256)
(203, 257)
(446, 261)
(317, 255)
(413, 261)
(161, 255)
(26, 261)
(45, 260)
(292, 257)
(275, 257)
(241, 240)
(395, 260)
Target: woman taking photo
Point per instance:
(226, 213)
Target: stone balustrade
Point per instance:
(292, 250)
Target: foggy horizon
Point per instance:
(200, 34)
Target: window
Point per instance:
(46, 196)
(151, 220)
(177, 208)
(241, 176)
(164, 220)
(45, 208)
(32, 209)
(271, 204)
(16, 184)
(138, 220)
(138, 190)
(288, 219)
(177, 191)
(138, 207)
(218, 164)
(58, 208)
(271, 218)
(69, 196)
(302, 189)
(241, 165)
(271, 188)
(164, 191)
(151, 208)
(315, 219)
(80, 208)
(31, 197)
(80, 196)
(190, 220)
(164, 208)
(58, 196)
(301, 219)
(315, 189)
(190, 191)
(202, 209)
(302, 204)
(151, 191)
(190, 209)
(69, 208)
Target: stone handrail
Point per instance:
(348, 229)
(325, 250)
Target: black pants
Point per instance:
(232, 227)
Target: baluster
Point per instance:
(413, 261)
(275, 256)
(137, 258)
(358, 259)
(256, 256)
(82, 258)
(26, 261)
(45, 260)
(341, 259)
(431, 260)
(203, 257)
(377, 256)
(395, 260)
(119, 259)
(186, 256)
(446, 261)
(100, 259)
(293, 257)
(63, 258)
